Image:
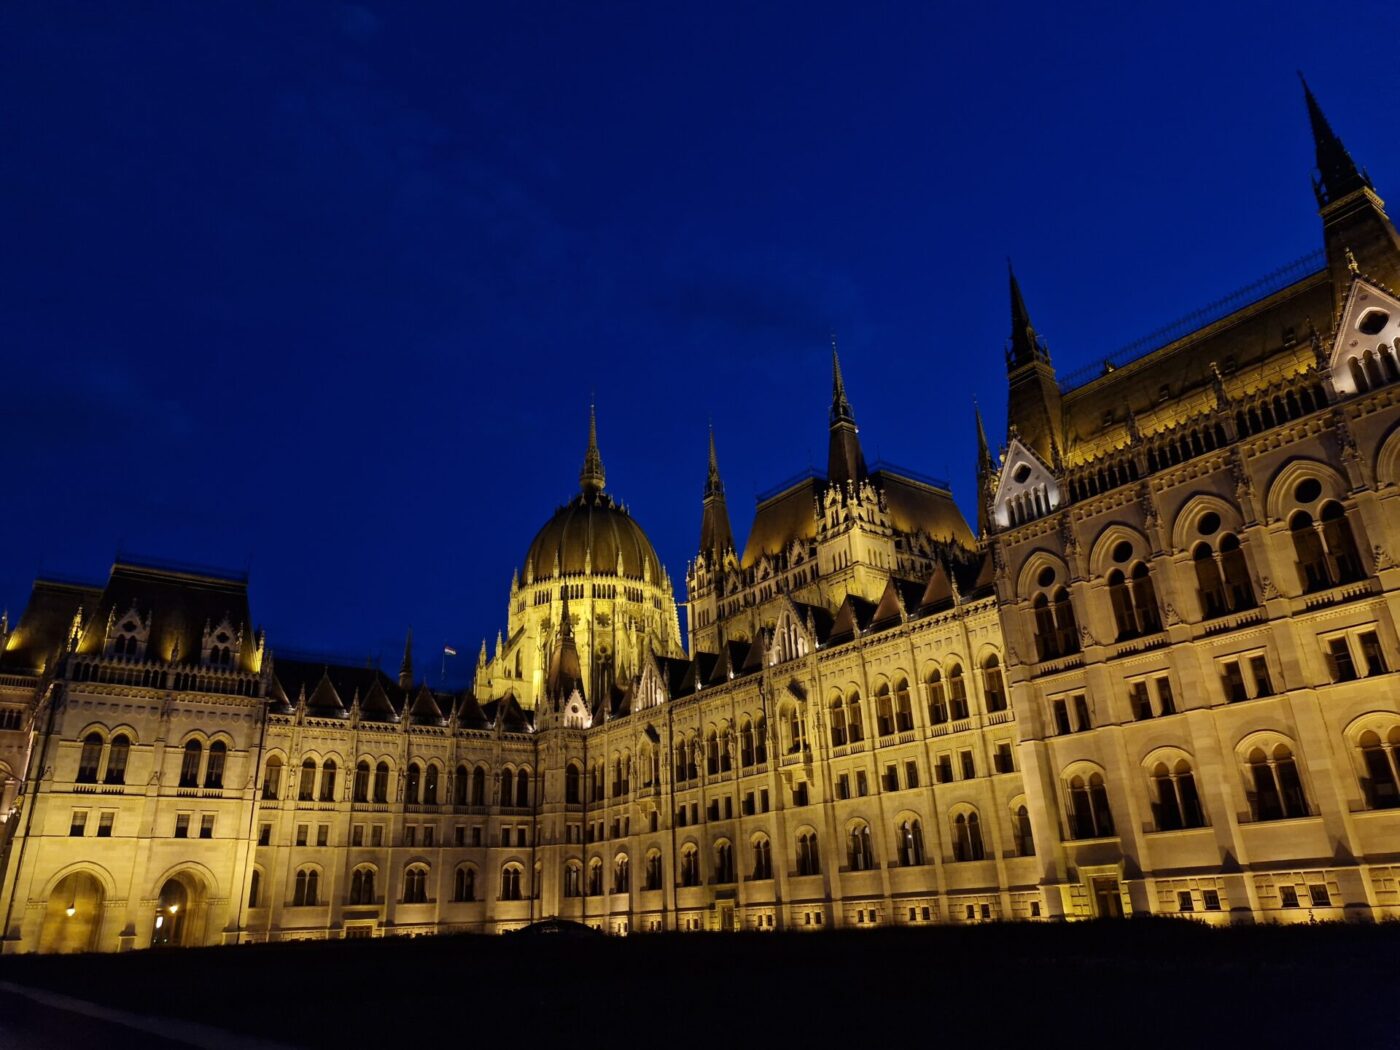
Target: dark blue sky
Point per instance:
(323, 290)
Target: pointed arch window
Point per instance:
(1381, 759)
(838, 721)
(479, 786)
(361, 781)
(855, 728)
(967, 837)
(860, 850)
(1178, 804)
(762, 860)
(1090, 816)
(117, 757)
(89, 759)
(411, 783)
(957, 692)
(430, 786)
(272, 778)
(362, 886)
(1278, 790)
(884, 711)
(189, 764)
(522, 788)
(381, 782)
(306, 790)
(903, 706)
(328, 771)
(1021, 830)
(937, 698)
(808, 854)
(415, 885)
(993, 684)
(461, 784)
(464, 885)
(214, 769)
(910, 835)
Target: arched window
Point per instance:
(272, 778)
(507, 781)
(967, 837)
(90, 759)
(1120, 599)
(937, 698)
(746, 743)
(1307, 548)
(1382, 764)
(808, 854)
(957, 692)
(415, 885)
(595, 877)
(903, 706)
(1278, 790)
(855, 729)
(1210, 588)
(1021, 829)
(838, 721)
(762, 859)
(690, 866)
(992, 683)
(621, 875)
(573, 880)
(362, 886)
(1046, 639)
(189, 765)
(381, 782)
(760, 743)
(1089, 814)
(362, 781)
(307, 888)
(117, 757)
(884, 711)
(1149, 616)
(796, 732)
(306, 790)
(254, 888)
(726, 749)
(461, 781)
(1239, 591)
(910, 836)
(328, 771)
(860, 852)
(411, 783)
(464, 884)
(479, 786)
(1178, 804)
(522, 788)
(724, 862)
(653, 872)
(214, 769)
(571, 781)
(1065, 624)
(1342, 557)
(430, 786)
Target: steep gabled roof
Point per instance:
(324, 701)
(425, 709)
(938, 593)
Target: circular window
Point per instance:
(1122, 551)
(1372, 321)
(1046, 577)
(1209, 524)
(1307, 490)
(1021, 473)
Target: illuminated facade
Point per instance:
(1159, 679)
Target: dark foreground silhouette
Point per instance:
(1127, 983)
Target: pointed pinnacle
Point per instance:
(1337, 174)
(840, 404)
(407, 666)
(591, 478)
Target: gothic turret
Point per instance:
(406, 667)
(1033, 407)
(845, 461)
(716, 537)
(986, 476)
(565, 671)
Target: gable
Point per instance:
(1367, 346)
(1026, 488)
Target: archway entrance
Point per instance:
(179, 913)
(73, 915)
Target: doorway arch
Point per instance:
(179, 912)
(73, 914)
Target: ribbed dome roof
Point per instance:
(588, 534)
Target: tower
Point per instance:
(1353, 216)
(1033, 402)
(986, 476)
(845, 462)
(716, 537)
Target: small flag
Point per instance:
(447, 650)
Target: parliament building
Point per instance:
(1160, 676)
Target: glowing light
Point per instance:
(70, 911)
(160, 921)
(174, 908)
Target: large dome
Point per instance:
(592, 533)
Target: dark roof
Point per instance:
(293, 676)
(181, 606)
(42, 631)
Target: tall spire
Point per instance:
(406, 668)
(1025, 344)
(716, 536)
(591, 477)
(845, 461)
(565, 671)
(1337, 174)
(986, 468)
(840, 404)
